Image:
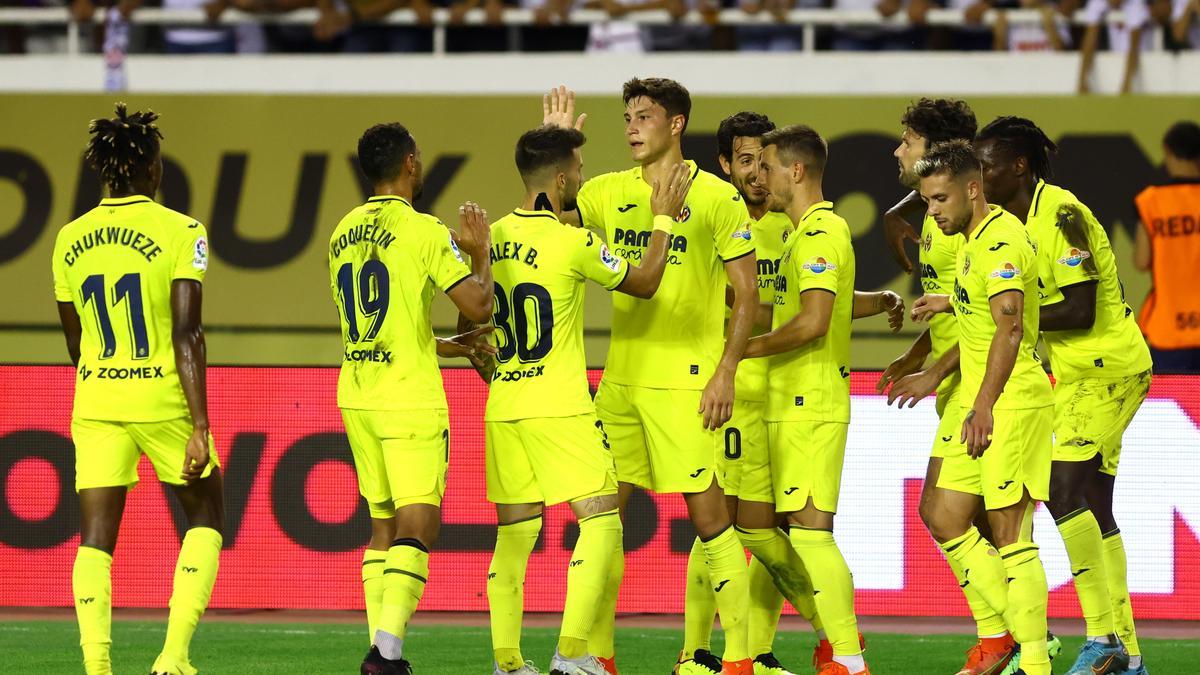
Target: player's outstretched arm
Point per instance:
(191, 361)
(666, 201)
(871, 303)
(1077, 311)
(910, 389)
(762, 316)
(474, 296)
(907, 363)
(1007, 311)
(898, 227)
(716, 403)
(812, 323)
(72, 329)
(929, 304)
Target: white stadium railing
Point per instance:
(807, 19)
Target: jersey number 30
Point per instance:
(511, 315)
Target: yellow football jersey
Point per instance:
(1113, 346)
(813, 382)
(116, 264)
(769, 234)
(675, 339)
(541, 267)
(998, 257)
(386, 262)
(938, 259)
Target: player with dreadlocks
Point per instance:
(127, 278)
(1102, 367)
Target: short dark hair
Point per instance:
(799, 142)
(745, 124)
(956, 157)
(941, 119)
(122, 149)
(1022, 138)
(383, 149)
(672, 96)
(546, 146)
(1183, 140)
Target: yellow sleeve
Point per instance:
(1005, 265)
(442, 258)
(592, 260)
(191, 252)
(1067, 246)
(590, 203)
(62, 288)
(819, 260)
(731, 226)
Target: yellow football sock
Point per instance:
(727, 573)
(762, 616)
(506, 588)
(773, 549)
(833, 587)
(987, 621)
(403, 585)
(1085, 548)
(587, 576)
(1027, 599)
(1115, 570)
(195, 573)
(699, 603)
(602, 639)
(372, 578)
(982, 568)
(91, 582)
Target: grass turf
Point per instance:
(253, 649)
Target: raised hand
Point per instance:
(558, 109)
(668, 195)
(474, 236)
(893, 304)
(895, 230)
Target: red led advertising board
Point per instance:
(296, 526)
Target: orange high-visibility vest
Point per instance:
(1170, 317)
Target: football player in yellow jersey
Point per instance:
(1101, 365)
(127, 278)
(808, 389)
(670, 355)
(545, 444)
(931, 363)
(1005, 394)
(386, 263)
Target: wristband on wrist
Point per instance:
(664, 223)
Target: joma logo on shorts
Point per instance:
(145, 373)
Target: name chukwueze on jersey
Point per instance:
(107, 236)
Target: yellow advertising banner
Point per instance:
(270, 176)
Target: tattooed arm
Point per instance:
(1007, 311)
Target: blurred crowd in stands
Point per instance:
(353, 26)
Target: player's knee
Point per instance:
(1066, 497)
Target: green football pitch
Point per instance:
(310, 648)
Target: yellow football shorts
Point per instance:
(548, 460)
(401, 457)
(1018, 459)
(744, 465)
(658, 437)
(1092, 414)
(107, 453)
(948, 442)
(806, 461)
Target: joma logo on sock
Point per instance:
(576, 563)
(86, 601)
(190, 569)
